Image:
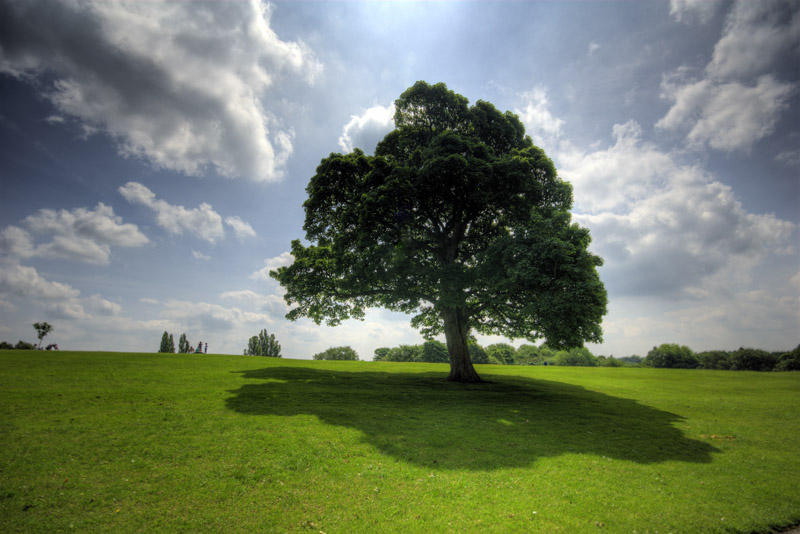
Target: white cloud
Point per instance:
(593, 47)
(24, 282)
(612, 179)
(183, 85)
(212, 318)
(366, 130)
(664, 228)
(689, 10)
(726, 116)
(202, 221)
(738, 100)
(790, 158)
(101, 306)
(200, 256)
(273, 304)
(79, 235)
(755, 37)
(240, 228)
(676, 243)
(539, 122)
(284, 260)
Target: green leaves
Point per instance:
(458, 211)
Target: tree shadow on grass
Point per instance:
(422, 419)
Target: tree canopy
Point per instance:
(263, 344)
(459, 219)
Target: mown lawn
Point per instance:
(111, 442)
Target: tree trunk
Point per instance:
(455, 332)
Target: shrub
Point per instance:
(6, 345)
(337, 353)
(575, 357)
(24, 345)
(632, 360)
(746, 359)
(714, 359)
(434, 352)
(477, 353)
(789, 361)
(671, 356)
(502, 352)
(611, 361)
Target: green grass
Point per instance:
(108, 442)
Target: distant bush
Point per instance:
(632, 360)
(502, 352)
(789, 361)
(577, 357)
(337, 353)
(746, 359)
(403, 353)
(6, 345)
(434, 352)
(714, 359)
(602, 361)
(671, 356)
(24, 345)
(477, 353)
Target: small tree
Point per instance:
(263, 345)
(171, 344)
(42, 329)
(164, 347)
(183, 344)
(337, 353)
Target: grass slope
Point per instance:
(108, 442)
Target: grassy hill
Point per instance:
(112, 442)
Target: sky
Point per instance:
(154, 157)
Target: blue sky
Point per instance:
(154, 156)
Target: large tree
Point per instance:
(457, 218)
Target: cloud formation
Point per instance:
(202, 222)
(79, 235)
(738, 99)
(21, 281)
(672, 235)
(283, 260)
(183, 85)
(366, 130)
(666, 229)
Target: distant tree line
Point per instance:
(674, 356)
(665, 356)
(500, 354)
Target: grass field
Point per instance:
(110, 442)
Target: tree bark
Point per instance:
(455, 332)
